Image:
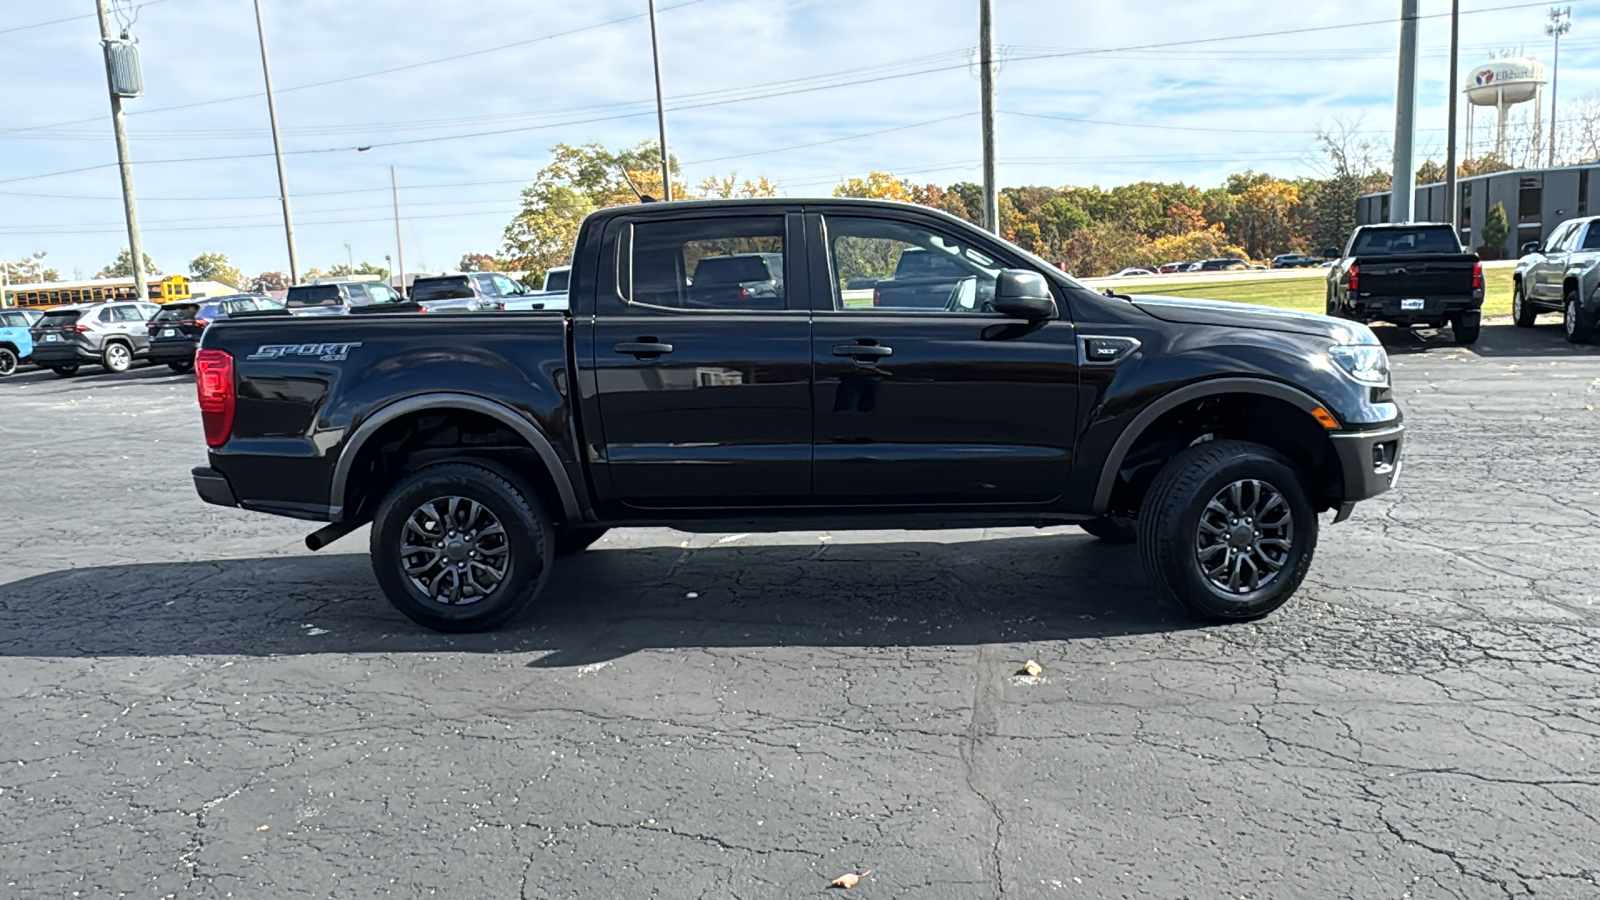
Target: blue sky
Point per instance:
(744, 79)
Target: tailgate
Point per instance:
(1417, 276)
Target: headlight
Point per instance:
(1366, 363)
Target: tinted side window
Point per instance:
(1591, 239)
(884, 264)
(703, 264)
(357, 294)
(557, 281)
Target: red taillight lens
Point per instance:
(201, 322)
(1477, 276)
(1355, 277)
(213, 378)
(81, 329)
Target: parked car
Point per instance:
(929, 279)
(1168, 268)
(1221, 264)
(1408, 274)
(337, 298)
(474, 292)
(480, 447)
(1135, 270)
(553, 294)
(112, 335)
(176, 329)
(1560, 274)
(1294, 261)
(16, 341)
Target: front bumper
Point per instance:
(213, 486)
(1370, 460)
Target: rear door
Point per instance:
(941, 402)
(704, 397)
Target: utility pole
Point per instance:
(399, 245)
(141, 285)
(1450, 142)
(1404, 181)
(277, 149)
(661, 110)
(350, 256)
(1560, 23)
(991, 196)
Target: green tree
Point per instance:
(1496, 228)
(479, 262)
(122, 266)
(215, 267)
(728, 186)
(366, 268)
(29, 270)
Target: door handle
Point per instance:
(646, 349)
(862, 351)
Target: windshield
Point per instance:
(425, 289)
(1393, 241)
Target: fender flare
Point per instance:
(498, 411)
(1187, 394)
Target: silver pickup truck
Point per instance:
(1561, 275)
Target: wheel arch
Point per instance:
(1217, 388)
(449, 402)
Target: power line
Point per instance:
(69, 19)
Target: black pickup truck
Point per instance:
(1412, 274)
(482, 446)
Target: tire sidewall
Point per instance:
(8, 362)
(110, 353)
(1199, 594)
(528, 533)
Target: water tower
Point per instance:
(1503, 83)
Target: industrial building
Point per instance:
(1536, 201)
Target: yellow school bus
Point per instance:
(61, 293)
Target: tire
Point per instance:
(577, 538)
(1523, 313)
(8, 362)
(116, 357)
(1112, 529)
(181, 367)
(1578, 323)
(1178, 527)
(524, 542)
(65, 371)
(1465, 334)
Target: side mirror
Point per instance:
(1531, 247)
(1330, 253)
(1024, 295)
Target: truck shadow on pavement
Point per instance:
(1498, 341)
(93, 375)
(608, 603)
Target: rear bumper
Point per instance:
(1433, 308)
(63, 353)
(172, 351)
(1370, 460)
(213, 486)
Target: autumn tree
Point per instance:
(122, 266)
(725, 187)
(270, 281)
(876, 186)
(1264, 218)
(215, 267)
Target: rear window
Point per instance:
(302, 296)
(56, 318)
(424, 289)
(557, 281)
(175, 311)
(1388, 241)
(731, 270)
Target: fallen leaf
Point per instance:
(263, 828)
(849, 879)
(1030, 669)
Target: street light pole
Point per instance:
(141, 284)
(991, 196)
(1450, 142)
(1560, 23)
(1404, 181)
(661, 110)
(277, 149)
(399, 244)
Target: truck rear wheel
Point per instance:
(1463, 332)
(457, 548)
(1227, 530)
(1578, 322)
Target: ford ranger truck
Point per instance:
(482, 447)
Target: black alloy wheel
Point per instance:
(8, 362)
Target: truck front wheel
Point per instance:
(457, 548)
(1227, 530)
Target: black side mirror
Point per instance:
(1024, 295)
(1531, 247)
(1330, 252)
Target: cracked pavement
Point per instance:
(193, 705)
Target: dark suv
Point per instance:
(176, 329)
(112, 335)
(336, 298)
(472, 292)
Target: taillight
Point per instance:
(1477, 276)
(1355, 277)
(423, 309)
(874, 296)
(213, 379)
(81, 329)
(201, 322)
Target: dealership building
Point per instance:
(1536, 201)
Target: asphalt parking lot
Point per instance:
(193, 705)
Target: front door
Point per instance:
(702, 362)
(924, 394)
(1552, 265)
